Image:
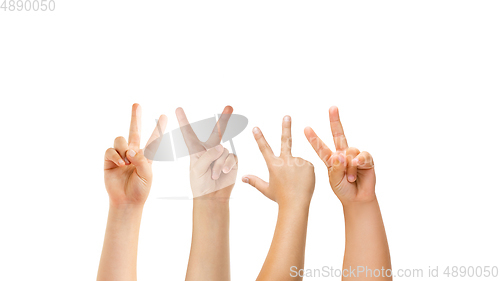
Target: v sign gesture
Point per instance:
(212, 174)
(291, 179)
(213, 168)
(127, 172)
(351, 173)
(128, 176)
(352, 178)
(291, 185)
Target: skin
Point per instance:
(352, 178)
(128, 177)
(212, 175)
(291, 185)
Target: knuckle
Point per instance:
(367, 156)
(352, 150)
(110, 151)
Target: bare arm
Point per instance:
(212, 176)
(366, 242)
(286, 254)
(352, 178)
(209, 257)
(291, 185)
(128, 177)
(119, 253)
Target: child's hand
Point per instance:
(127, 173)
(352, 174)
(212, 168)
(291, 179)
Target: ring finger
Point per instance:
(121, 147)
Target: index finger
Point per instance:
(134, 135)
(187, 131)
(324, 153)
(264, 147)
(337, 130)
(220, 127)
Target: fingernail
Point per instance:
(287, 118)
(246, 180)
(351, 178)
(219, 148)
(121, 162)
(255, 130)
(131, 153)
(214, 176)
(127, 161)
(225, 169)
(355, 162)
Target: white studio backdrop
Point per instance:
(417, 84)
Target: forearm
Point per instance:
(366, 241)
(209, 257)
(119, 252)
(288, 245)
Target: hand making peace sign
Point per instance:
(291, 179)
(212, 168)
(127, 172)
(351, 173)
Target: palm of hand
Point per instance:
(291, 179)
(127, 172)
(124, 185)
(362, 190)
(205, 184)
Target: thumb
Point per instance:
(205, 160)
(140, 162)
(258, 183)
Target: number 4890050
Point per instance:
(28, 5)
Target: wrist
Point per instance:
(125, 215)
(359, 206)
(213, 204)
(294, 207)
(210, 213)
(125, 209)
(212, 199)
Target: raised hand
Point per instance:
(351, 172)
(127, 172)
(128, 176)
(212, 168)
(212, 174)
(291, 179)
(291, 185)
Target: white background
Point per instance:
(417, 84)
